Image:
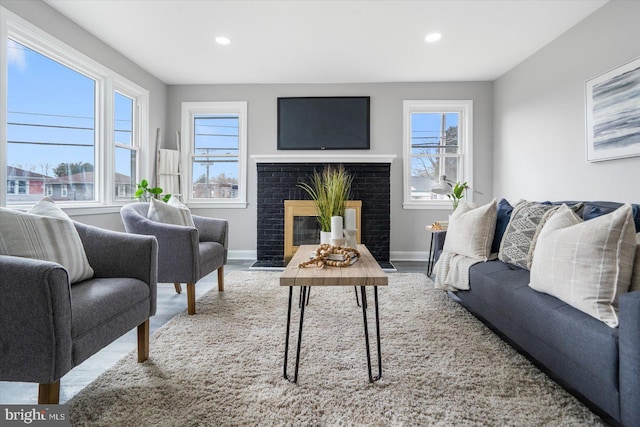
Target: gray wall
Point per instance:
(539, 146)
(51, 21)
(408, 236)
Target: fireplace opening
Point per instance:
(301, 225)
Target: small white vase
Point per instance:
(325, 237)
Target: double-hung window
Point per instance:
(437, 137)
(126, 142)
(74, 128)
(214, 152)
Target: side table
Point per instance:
(432, 253)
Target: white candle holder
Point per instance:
(350, 236)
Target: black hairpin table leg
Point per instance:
(366, 332)
(301, 304)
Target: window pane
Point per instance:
(215, 178)
(215, 173)
(50, 128)
(434, 133)
(123, 119)
(126, 178)
(216, 134)
(426, 171)
(126, 159)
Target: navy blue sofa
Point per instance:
(598, 364)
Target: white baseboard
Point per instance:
(409, 256)
(242, 254)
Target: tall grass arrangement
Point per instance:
(330, 190)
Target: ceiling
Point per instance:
(309, 41)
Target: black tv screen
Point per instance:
(324, 123)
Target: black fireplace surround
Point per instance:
(278, 182)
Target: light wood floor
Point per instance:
(169, 305)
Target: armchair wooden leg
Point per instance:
(49, 394)
(178, 287)
(143, 341)
(191, 298)
(221, 279)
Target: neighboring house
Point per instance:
(24, 186)
(215, 190)
(80, 186)
(421, 187)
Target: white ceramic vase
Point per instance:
(325, 237)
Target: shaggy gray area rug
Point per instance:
(223, 366)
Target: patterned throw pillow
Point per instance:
(471, 230)
(173, 212)
(518, 242)
(45, 232)
(586, 264)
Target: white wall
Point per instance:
(47, 19)
(539, 145)
(408, 236)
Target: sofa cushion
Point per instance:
(518, 242)
(590, 344)
(172, 212)
(45, 232)
(103, 310)
(471, 230)
(586, 264)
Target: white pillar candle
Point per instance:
(336, 227)
(349, 219)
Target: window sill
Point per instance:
(444, 205)
(216, 205)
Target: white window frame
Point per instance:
(465, 141)
(22, 31)
(139, 129)
(189, 111)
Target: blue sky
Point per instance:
(62, 103)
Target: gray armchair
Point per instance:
(50, 326)
(185, 254)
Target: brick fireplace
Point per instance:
(278, 181)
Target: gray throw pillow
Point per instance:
(525, 224)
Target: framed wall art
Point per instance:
(613, 113)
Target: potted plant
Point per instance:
(144, 193)
(330, 191)
(457, 193)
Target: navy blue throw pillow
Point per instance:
(596, 209)
(504, 215)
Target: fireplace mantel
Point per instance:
(323, 158)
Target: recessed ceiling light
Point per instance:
(223, 40)
(433, 37)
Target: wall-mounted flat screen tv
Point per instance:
(324, 123)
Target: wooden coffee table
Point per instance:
(365, 272)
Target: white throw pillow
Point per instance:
(586, 264)
(45, 232)
(172, 212)
(470, 231)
